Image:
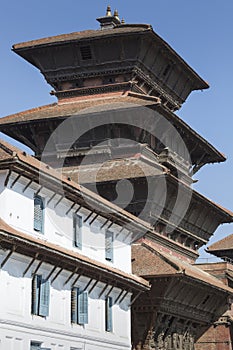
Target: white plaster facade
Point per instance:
(18, 212)
(19, 327)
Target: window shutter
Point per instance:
(109, 245)
(77, 229)
(74, 306)
(83, 308)
(35, 294)
(108, 311)
(35, 345)
(38, 213)
(44, 298)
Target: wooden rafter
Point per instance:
(30, 264)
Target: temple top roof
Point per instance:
(85, 34)
(120, 29)
(119, 56)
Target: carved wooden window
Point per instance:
(86, 52)
(166, 70)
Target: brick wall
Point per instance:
(216, 338)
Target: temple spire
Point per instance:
(116, 15)
(109, 21)
(108, 12)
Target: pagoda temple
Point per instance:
(114, 130)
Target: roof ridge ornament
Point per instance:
(116, 15)
(108, 12)
(109, 21)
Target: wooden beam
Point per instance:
(88, 217)
(123, 297)
(135, 298)
(59, 200)
(76, 279)
(103, 290)
(88, 284)
(51, 272)
(120, 294)
(104, 224)
(94, 218)
(118, 234)
(8, 256)
(57, 274)
(109, 226)
(51, 198)
(72, 206)
(7, 178)
(30, 264)
(28, 184)
(15, 180)
(128, 234)
(110, 291)
(94, 285)
(77, 210)
(71, 275)
(37, 268)
(38, 191)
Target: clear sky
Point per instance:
(201, 31)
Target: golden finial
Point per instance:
(122, 21)
(109, 13)
(115, 13)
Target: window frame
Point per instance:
(79, 306)
(109, 240)
(40, 296)
(77, 230)
(38, 219)
(108, 314)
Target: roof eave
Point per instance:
(75, 259)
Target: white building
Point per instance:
(65, 256)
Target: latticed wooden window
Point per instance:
(108, 314)
(77, 230)
(86, 52)
(38, 213)
(79, 306)
(40, 296)
(109, 245)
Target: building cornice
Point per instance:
(46, 252)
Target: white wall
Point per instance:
(18, 326)
(18, 212)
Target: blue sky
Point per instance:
(200, 31)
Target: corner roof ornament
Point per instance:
(109, 21)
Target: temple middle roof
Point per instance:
(198, 146)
